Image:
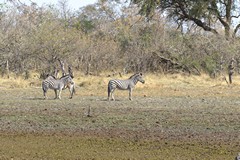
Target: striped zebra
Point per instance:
(238, 156)
(58, 84)
(127, 84)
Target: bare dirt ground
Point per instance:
(173, 118)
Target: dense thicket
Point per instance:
(106, 36)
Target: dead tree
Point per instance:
(88, 72)
(7, 69)
(221, 64)
(238, 65)
(88, 69)
(80, 61)
(70, 71)
(219, 70)
(231, 70)
(167, 65)
(55, 73)
(62, 67)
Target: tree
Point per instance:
(203, 13)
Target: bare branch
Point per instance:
(198, 22)
(236, 30)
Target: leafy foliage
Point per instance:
(202, 13)
(98, 38)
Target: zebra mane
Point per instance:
(135, 75)
(67, 75)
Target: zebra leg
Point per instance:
(112, 96)
(55, 94)
(130, 94)
(71, 90)
(44, 94)
(71, 95)
(110, 93)
(111, 88)
(44, 91)
(59, 95)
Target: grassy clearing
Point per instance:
(170, 117)
(66, 147)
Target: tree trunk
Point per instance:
(231, 70)
(62, 67)
(55, 74)
(7, 69)
(70, 71)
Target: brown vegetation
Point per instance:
(171, 116)
(98, 39)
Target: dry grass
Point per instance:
(156, 81)
(156, 85)
(170, 117)
(64, 147)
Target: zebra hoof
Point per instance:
(70, 97)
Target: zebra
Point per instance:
(238, 156)
(127, 84)
(58, 84)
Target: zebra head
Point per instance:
(67, 79)
(138, 77)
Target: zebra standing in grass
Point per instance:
(58, 84)
(238, 156)
(127, 84)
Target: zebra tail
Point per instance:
(109, 89)
(43, 87)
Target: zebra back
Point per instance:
(53, 83)
(127, 84)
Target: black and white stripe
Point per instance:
(238, 156)
(58, 84)
(127, 84)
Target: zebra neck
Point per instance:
(64, 80)
(135, 81)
